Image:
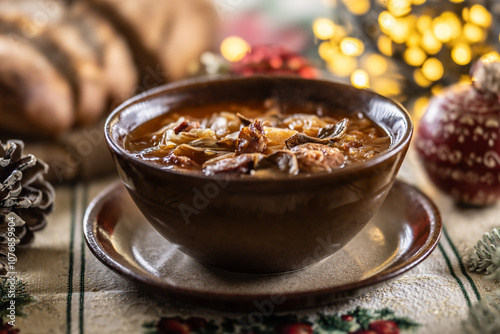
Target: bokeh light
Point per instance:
(419, 107)
(418, 46)
(360, 79)
(234, 48)
(342, 65)
(399, 7)
(384, 44)
(461, 54)
(473, 33)
(376, 64)
(327, 50)
(323, 28)
(414, 56)
(358, 7)
(352, 46)
(420, 78)
(430, 43)
(433, 69)
(480, 16)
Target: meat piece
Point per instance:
(180, 128)
(252, 139)
(186, 126)
(181, 161)
(318, 158)
(282, 161)
(241, 164)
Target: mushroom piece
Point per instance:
(326, 136)
(301, 139)
(314, 157)
(241, 164)
(334, 131)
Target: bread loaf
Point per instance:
(34, 97)
(114, 56)
(66, 64)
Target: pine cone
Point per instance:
(25, 197)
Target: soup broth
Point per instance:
(257, 139)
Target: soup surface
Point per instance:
(257, 139)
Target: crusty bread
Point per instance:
(34, 97)
(113, 53)
(91, 94)
(81, 58)
(163, 34)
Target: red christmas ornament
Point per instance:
(264, 59)
(458, 138)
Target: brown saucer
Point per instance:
(402, 234)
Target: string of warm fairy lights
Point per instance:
(403, 48)
(400, 48)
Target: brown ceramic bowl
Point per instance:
(259, 225)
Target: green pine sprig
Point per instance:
(484, 317)
(486, 255)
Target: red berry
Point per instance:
(296, 328)
(295, 63)
(384, 327)
(276, 62)
(172, 326)
(347, 317)
(266, 59)
(308, 72)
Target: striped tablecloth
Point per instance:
(72, 292)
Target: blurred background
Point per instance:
(64, 65)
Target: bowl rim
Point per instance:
(163, 89)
